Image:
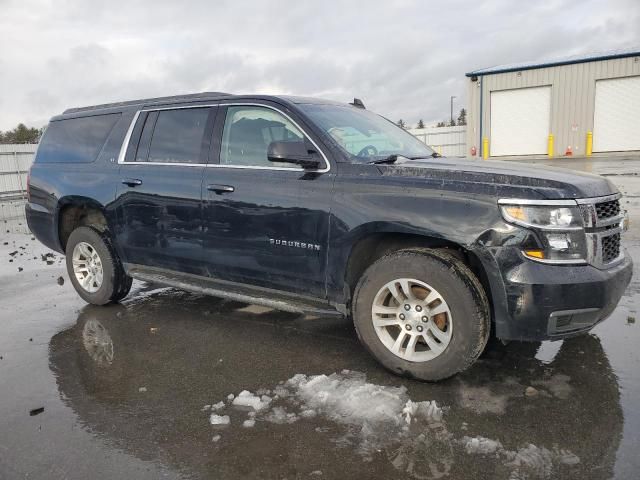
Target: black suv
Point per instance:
(319, 207)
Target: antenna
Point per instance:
(358, 103)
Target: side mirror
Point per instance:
(293, 152)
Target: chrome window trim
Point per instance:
(127, 140)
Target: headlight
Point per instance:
(560, 229)
(543, 216)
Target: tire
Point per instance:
(115, 283)
(464, 327)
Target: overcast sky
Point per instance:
(403, 58)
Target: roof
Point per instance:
(175, 98)
(192, 97)
(570, 60)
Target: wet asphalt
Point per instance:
(119, 391)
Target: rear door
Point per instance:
(265, 224)
(158, 200)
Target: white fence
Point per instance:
(447, 141)
(15, 161)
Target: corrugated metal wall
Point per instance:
(572, 98)
(447, 141)
(15, 161)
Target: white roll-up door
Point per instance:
(520, 121)
(616, 122)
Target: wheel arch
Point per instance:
(373, 245)
(76, 211)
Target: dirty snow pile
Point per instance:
(526, 461)
(378, 418)
(375, 414)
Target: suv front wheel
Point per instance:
(422, 313)
(94, 267)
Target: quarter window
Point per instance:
(75, 140)
(248, 131)
(177, 136)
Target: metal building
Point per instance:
(571, 106)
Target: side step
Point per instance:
(242, 293)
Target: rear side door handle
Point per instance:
(220, 189)
(132, 182)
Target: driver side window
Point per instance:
(249, 130)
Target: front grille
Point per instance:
(610, 248)
(606, 210)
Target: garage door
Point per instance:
(616, 123)
(520, 121)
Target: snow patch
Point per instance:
(383, 418)
(219, 419)
(248, 399)
(480, 445)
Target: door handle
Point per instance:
(132, 182)
(220, 189)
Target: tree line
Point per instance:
(460, 120)
(21, 134)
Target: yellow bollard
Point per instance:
(589, 148)
(550, 146)
(485, 148)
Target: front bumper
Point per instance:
(534, 301)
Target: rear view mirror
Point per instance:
(293, 152)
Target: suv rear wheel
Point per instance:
(422, 313)
(94, 267)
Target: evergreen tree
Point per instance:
(462, 117)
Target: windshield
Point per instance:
(365, 136)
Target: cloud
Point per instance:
(403, 58)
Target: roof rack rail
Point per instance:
(173, 98)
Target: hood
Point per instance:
(547, 182)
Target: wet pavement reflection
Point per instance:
(140, 374)
(128, 391)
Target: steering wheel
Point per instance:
(368, 151)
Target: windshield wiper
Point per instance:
(395, 157)
(390, 159)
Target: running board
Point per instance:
(242, 293)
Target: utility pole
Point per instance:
(452, 97)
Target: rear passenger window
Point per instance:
(75, 140)
(177, 136)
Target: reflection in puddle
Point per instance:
(97, 342)
(189, 351)
(548, 351)
(414, 435)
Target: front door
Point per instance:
(264, 223)
(159, 203)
